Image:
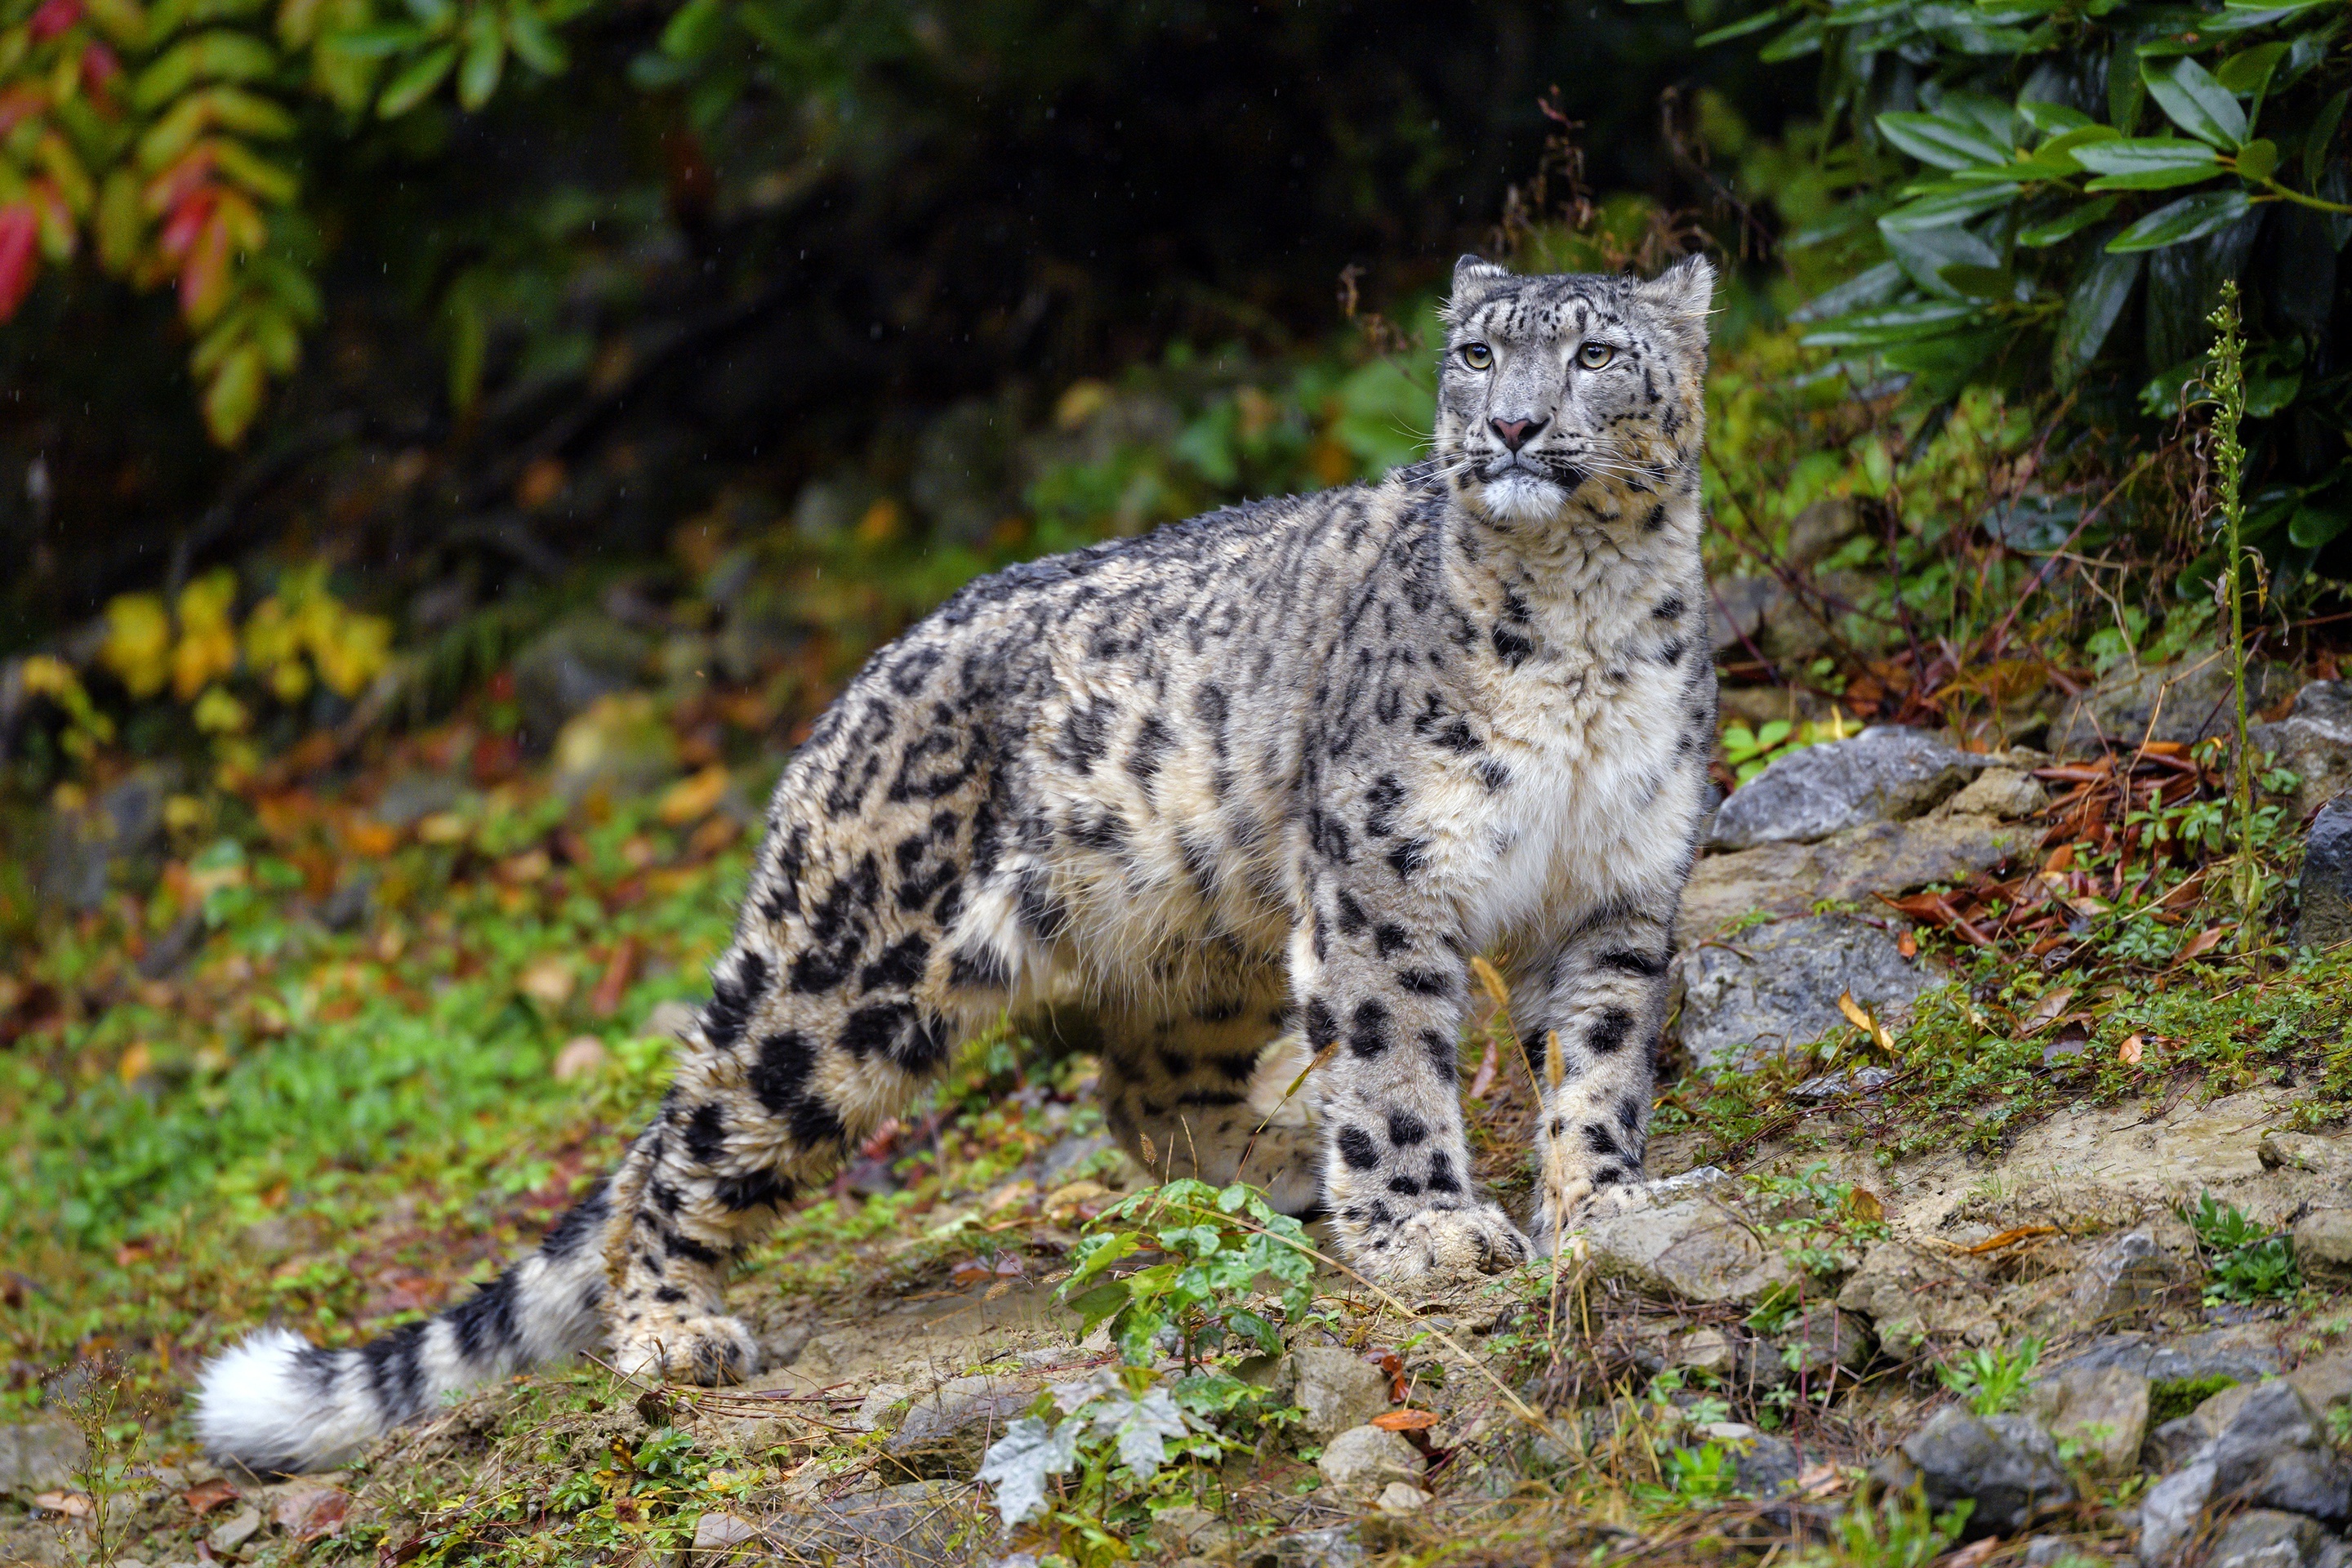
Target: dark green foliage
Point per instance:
(2083, 180)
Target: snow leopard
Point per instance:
(1244, 796)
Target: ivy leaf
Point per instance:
(1141, 1429)
(2190, 217)
(2193, 100)
(1018, 1464)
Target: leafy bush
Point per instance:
(1992, 1380)
(2085, 177)
(2245, 1261)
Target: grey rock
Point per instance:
(39, 1456)
(2121, 1279)
(918, 1524)
(235, 1531)
(1820, 529)
(2223, 1352)
(1337, 1388)
(1912, 1296)
(2168, 1514)
(1692, 1249)
(2104, 1409)
(1859, 1084)
(561, 673)
(881, 1402)
(946, 1432)
(1789, 878)
(1333, 1546)
(717, 1534)
(1886, 773)
(2327, 882)
(2006, 1463)
(2268, 1538)
(2275, 1453)
(1366, 1459)
(1763, 1465)
(109, 840)
(2323, 1247)
(2326, 1381)
(2190, 701)
(2314, 740)
(2004, 793)
(1775, 987)
(1708, 1351)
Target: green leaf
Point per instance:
(2053, 119)
(2147, 163)
(1877, 328)
(2125, 93)
(2092, 305)
(376, 43)
(1741, 29)
(2190, 217)
(1925, 253)
(219, 56)
(535, 43)
(1944, 143)
(695, 29)
(415, 84)
(2317, 139)
(2193, 100)
(2258, 160)
(2315, 526)
(1804, 38)
(2059, 150)
(2067, 224)
(2247, 73)
(486, 59)
(1946, 205)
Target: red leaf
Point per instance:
(206, 1496)
(54, 17)
(20, 259)
(203, 276)
(20, 102)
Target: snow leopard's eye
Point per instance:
(1592, 356)
(1478, 356)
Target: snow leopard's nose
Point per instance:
(1517, 433)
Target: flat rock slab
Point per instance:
(1886, 773)
(2190, 701)
(1775, 987)
(2326, 917)
(1784, 880)
(40, 1456)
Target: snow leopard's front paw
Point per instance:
(1478, 1239)
(701, 1348)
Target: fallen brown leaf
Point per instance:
(2128, 1053)
(312, 1513)
(1404, 1420)
(2011, 1238)
(206, 1496)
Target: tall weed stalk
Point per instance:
(2227, 374)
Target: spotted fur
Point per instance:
(1237, 797)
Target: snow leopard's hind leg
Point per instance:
(1197, 1092)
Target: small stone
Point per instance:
(1912, 1296)
(1692, 1250)
(2169, 1512)
(1337, 1388)
(1402, 1497)
(719, 1534)
(583, 1055)
(2326, 917)
(2104, 1409)
(2121, 1279)
(39, 1456)
(1775, 987)
(2267, 1538)
(1825, 1342)
(1765, 1465)
(235, 1531)
(1886, 773)
(1192, 1529)
(1708, 1351)
(2305, 1152)
(2003, 793)
(2006, 1463)
(1366, 1459)
(2326, 1381)
(2323, 1247)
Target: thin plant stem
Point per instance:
(2228, 463)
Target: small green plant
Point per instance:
(1900, 1531)
(1703, 1473)
(2245, 1261)
(1823, 1225)
(1991, 1381)
(112, 1436)
(1216, 1248)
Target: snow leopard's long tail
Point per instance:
(277, 1404)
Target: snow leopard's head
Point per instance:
(1572, 385)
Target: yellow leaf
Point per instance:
(207, 645)
(138, 647)
(692, 798)
(135, 1062)
(1859, 1017)
(353, 653)
(219, 713)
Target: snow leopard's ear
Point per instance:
(1682, 296)
(1474, 278)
